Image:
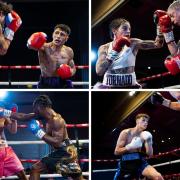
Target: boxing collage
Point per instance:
(90, 89)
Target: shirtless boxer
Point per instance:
(63, 159)
(166, 21)
(158, 99)
(116, 60)
(132, 163)
(10, 165)
(9, 24)
(55, 59)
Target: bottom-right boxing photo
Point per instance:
(135, 135)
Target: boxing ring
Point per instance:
(169, 158)
(30, 84)
(77, 142)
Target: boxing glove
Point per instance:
(37, 40)
(12, 23)
(135, 144)
(64, 71)
(146, 136)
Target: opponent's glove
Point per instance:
(5, 112)
(12, 23)
(37, 40)
(12, 106)
(135, 144)
(64, 71)
(158, 99)
(146, 136)
(173, 64)
(117, 47)
(34, 127)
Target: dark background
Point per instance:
(42, 15)
(73, 107)
(107, 108)
(140, 15)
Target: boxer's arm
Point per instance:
(71, 62)
(4, 43)
(121, 142)
(174, 49)
(12, 126)
(22, 116)
(148, 148)
(174, 106)
(148, 44)
(102, 63)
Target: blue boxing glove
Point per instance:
(3, 111)
(34, 127)
(12, 106)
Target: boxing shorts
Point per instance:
(63, 160)
(130, 166)
(9, 162)
(54, 82)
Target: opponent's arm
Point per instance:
(12, 126)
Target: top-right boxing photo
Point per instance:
(135, 44)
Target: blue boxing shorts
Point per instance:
(130, 166)
(54, 82)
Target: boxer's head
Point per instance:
(4, 10)
(61, 34)
(120, 27)
(40, 105)
(174, 12)
(142, 120)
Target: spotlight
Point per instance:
(3, 94)
(131, 93)
(93, 56)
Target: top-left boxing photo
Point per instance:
(44, 44)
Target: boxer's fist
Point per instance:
(37, 40)
(158, 99)
(12, 106)
(64, 71)
(173, 64)
(34, 127)
(117, 47)
(12, 23)
(146, 136)
(165, 24)
(135, 144)
(157, 15)
(5, 112)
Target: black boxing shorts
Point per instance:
(54, 82)
(130, 166)
(63, 160)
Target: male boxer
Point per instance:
(158, 99)
(55, 59)
(9, 163)
(63, 159)
(132, 163)
(166, 21)
(10, 22)
(116, 60)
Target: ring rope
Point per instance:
(35, 67)
(83, 141)
(35, 83)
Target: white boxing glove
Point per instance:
(135, 144)
(146, 136)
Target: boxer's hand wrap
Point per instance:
(119, 43)
(158, 99)
(64, 71)
(34, 127)
(37, 40)
(12, 23)
(135, 144)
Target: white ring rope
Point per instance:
(41, 142)
(35, 83)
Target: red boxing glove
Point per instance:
(158, 14)
(117, 47)
(36, 40)
(12, 22)
(165, 24)
(64, 71)
(173, 64)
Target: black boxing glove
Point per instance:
(158, 99)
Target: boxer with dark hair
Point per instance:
(10, 22)
(158, 99)
(116, 59)
(132, 161)
(63, 159)
(55, 59)
(9, 163)
(165, 20)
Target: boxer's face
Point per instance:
(123, 30)
(142, 122)
(175, 16)
(59, 37)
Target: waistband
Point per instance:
(131, 156)
(125, 70)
